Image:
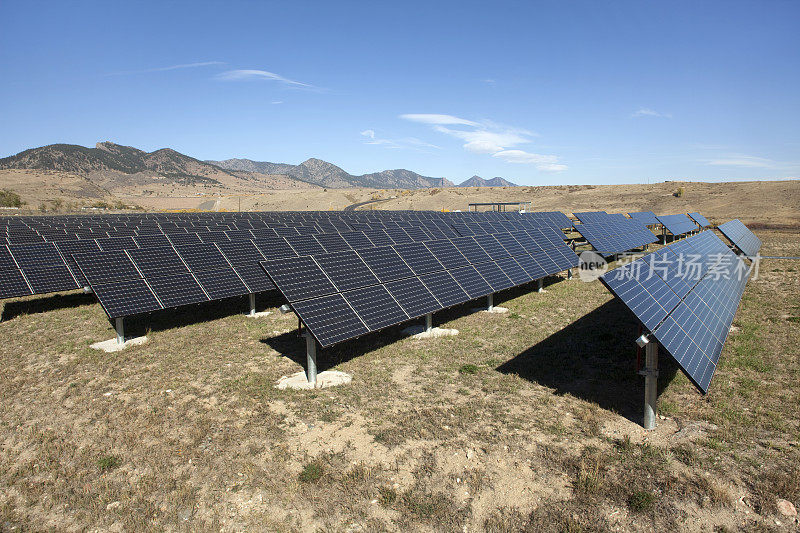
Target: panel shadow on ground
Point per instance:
(594, 359)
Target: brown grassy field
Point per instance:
(524, 421)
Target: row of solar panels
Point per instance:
(345, 295)
(34, 230)
(648, 218)
(40, 268)
(686, 295)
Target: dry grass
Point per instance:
(525, 421)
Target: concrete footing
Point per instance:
(259, 314)
(420, 332)
(299, 380)
(111, 345)
(494, 310)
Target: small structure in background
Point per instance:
(500, 206)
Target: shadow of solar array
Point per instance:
(677, 224)
(343, 295)
(612, 234)
(686, 295)
(741, 237)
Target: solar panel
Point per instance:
(447, 254)
(53, 278)
(6, 260)
(491, 246)
(378, 237)
(13, 284)
(677, 224)
(157, 261)
(512, 269)
(274, 248)
(741, 237)
(298, 278)
(647, 218)
(700, 219)
(177, 290)
(417, 256)
(471, 282)
(494, 276)
(689, 317)
(470, 249)
(332, 242)
(346, 270)
(357, 240)
(240, 253)
(385, 263)
(126, 297)
(375, 306)
(305, 245)
(116, 243)
(221, 283)
(412, 295)
(203, 256)
(444, 288)
(35, 255)
(106, 267)
(254, 277)
(330, 319)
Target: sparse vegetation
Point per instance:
(10, 199)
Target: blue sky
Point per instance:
(537, 92)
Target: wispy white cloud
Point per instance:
(252, 74)
(432, 118)
(647, 112)
(489, 81)
(742, 161)
(487, 137)
(276, 102)
(405, 142)
(170, 67)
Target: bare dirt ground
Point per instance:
(525, 421)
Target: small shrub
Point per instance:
(468, 369)
(10, 199)
(311, 473)
(641, 501)
(387, 496)
(678, 193)
(108, 462)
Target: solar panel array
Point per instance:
(648, 218)
(612, 234)
(677, 224)
(700, 219)
(343, 295)
(686, 294)
(741, 237)
(590, 216)
(43, 246)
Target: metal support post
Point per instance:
(311, 358)
(490, 302)
(540, 286)
(428, 322)
(252, 305)
(569, 274)
(120, 331)
(664, 234)
(650, 385)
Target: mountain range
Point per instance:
(109, 162)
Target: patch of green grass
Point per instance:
(108, 462)
(468, 369)
(667, 408)
(640, 501)
(795, 319)
(311, 473)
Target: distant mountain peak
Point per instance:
(477, 181)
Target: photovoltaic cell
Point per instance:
(106, 267)
(375, 306)
(12, 284)
(177, 290)
(157, 261)
(418, 257)
(298, 278)
(412, 295)
(447, 254)
(52, 278)
(222, 283)
(346, 270)
(385, 263)
(444, 288)
(471, 281)
(330, 319)
(126, 297)
(305, 245)
(203, 256)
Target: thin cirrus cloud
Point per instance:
(490, 138)
(747, 161)
(264, 75)
(406, 142)
(647, 112)
(170, 67)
